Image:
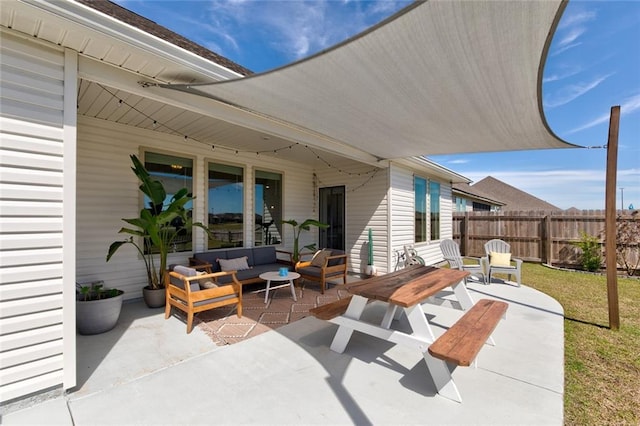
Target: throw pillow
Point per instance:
(207, 284)
(320, 257)
(186, 271)
(238, 264)
(499, 259)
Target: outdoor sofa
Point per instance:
(248, 263)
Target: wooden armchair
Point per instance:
(183, 291)
(326, 265)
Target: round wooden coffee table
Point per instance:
(275, 276)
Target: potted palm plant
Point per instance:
(297, 230)
(155, 230)
(97, 308)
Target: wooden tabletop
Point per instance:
(408, 286)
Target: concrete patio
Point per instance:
(149, 371)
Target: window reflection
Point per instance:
(268, 208)
(225, 206)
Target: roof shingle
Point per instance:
(149, 26)
(514, 198)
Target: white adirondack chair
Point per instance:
(510, 267)
(451, 252)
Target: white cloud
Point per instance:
(577, 18)
(299, 28)
(565, 73)
(571, 36)
(570, 92)
(571, 28)
(564, 48)
(459, 161)
(630, 105)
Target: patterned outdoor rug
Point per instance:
(225, 328)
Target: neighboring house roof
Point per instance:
(149, 26)
(513, 198)
(468, 191)
(573, 210)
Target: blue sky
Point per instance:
(593, 64)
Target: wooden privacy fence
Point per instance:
(546, 237)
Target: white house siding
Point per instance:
(402, 221)
(37, 195)
(108, 191)
(366, 206)
(402, 218)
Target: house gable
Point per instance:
(513, 198)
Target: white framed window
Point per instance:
(225, 205)
(434, 210)
(175, 173)
(420, 195)
(268, 207)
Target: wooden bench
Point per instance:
(462, 342)
(331, 310)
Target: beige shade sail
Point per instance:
(439, 77)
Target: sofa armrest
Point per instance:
(287, 254)
(201, 265)
(234, 280)
(326, 268)
(303, 264)
(337, 256)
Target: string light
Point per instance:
(157, 125)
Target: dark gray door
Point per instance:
(332, 212)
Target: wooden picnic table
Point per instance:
(409, 286)
(406, 289)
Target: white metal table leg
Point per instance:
(343, 335)
(266, 293)
(293, 291)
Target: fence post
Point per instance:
(547, 242)
(464, 237)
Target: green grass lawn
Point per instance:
(602, 366)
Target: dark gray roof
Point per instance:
(147, 25)
(514, 198)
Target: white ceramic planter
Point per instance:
(371, 270)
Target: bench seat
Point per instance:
(331, 310)
(461, 343)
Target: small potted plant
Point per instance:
(97, 308)
(297, 230)
(154, 231)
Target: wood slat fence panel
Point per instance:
(547, 237)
